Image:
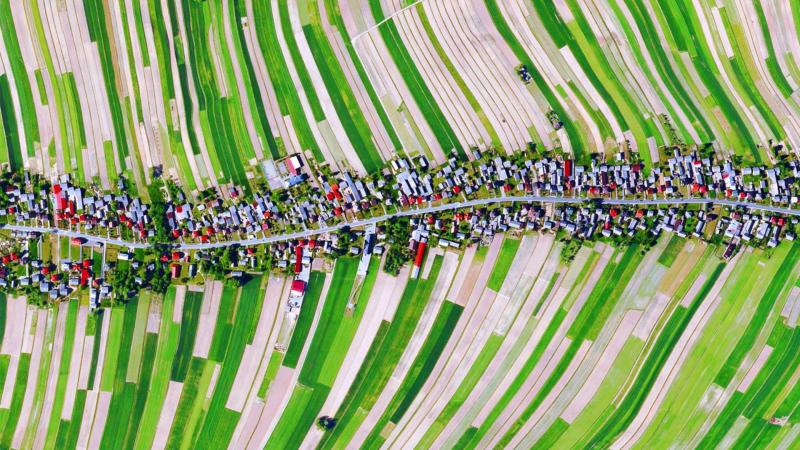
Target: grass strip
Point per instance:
(307, 312)
(418, 373)
(383, 355)
(626, 411)
(508, 250)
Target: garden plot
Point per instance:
(618, 290)
(192, 142)
(728, 347)
(616, 352)
(622, 59)
(565, 343)
(496, 348)
(677, 356)
(285, 381)
(81, 59)
(385, 353)
(17, 325)
(510, 359)
(212, 295)
(443, 88)
(33, 114)
(673, 97)
(379, 300)
(429, 318)
(267, 92)
(256, 350)
(791, 309)
(470, 338)
(340, 89)
(410, 117)
(489, 69)
(352, 70)
(39, 363)
(581, 51)
(156, 375)
(711, 26)
(94, 419)
(153, 120)
(771, 82)
(601, 368)
(266, 371)
(238, 73)
(333, 121)
(559, 71)
(167, 415)
(78, 363)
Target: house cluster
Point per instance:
(408, 183)
(74, 205)
(25, 207)
(53, 281)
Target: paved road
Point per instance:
(91, 239)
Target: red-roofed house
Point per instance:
(298, 288)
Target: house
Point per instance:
(298, 289)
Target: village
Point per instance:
(177, 239)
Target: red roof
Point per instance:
(298, 259)
(298, 287)
(420, 254)
(61, 202)
(291, 167)
(84, 277)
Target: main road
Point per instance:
(92, 239)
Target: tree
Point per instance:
(396, 257)
(158, 210)
(326, 422)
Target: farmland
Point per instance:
(520, 336)
(531, 352)
(206, 91)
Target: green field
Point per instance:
(631, 341)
